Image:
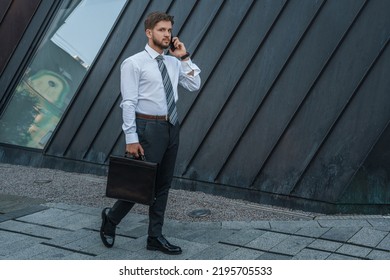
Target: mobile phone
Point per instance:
(171, 45)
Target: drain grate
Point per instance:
(199, 213)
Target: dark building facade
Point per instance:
(294, 107)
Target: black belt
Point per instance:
(151, 117)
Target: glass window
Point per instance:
(56, 71)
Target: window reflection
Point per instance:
(56, 71)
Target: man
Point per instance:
(149, 81)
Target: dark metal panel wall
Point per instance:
(12, 30)
(298, 141)
(215, 39)
(294, 103)
(4, 7)
(353, 134)
(211, 139)
(336, 91)
(216, 87)
(371, 184)
(237, 159)
(268, 131)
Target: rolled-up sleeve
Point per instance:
(129, 91)
(191, 81)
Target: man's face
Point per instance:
(161, 34)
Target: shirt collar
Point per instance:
(153, 54)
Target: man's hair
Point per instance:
(153, 18)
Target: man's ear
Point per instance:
(148, 33)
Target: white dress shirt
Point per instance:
(142, 88)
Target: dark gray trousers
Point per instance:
(160, 141)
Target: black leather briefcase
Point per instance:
(131, 180)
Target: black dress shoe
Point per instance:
(161, 244)
(107, 230)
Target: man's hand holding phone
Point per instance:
(177, 48)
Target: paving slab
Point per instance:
(292, 245)
(69, 237)
(131, 244)
(74, 221)
(46, 217)
(368, 237)
(354, 251)
(293, 226)
(53, 254)
(96, 249)
(325, 245)
(215, 252)
(64, 206)
(28, 210)
(267, 241)
(380, 223)
(77, 256)
(11, 248)
(125, 225)
(136, 232)
(43, 231)
(117, 253)
(83, 243)
(385, 243)
(341, 233)
(310, 254)
(7, 237)
(243, 254)
(190, 249)
(246, 225)
(15, 225)
(29, 252)
(379, 255)
(59, 253)
(93, 211)
(343, 223)
(213, 236)
(189, 230)
(130, 219)
(191, 234)
(243, 236)
(151, 255)
(10, 203)
(274, 256)
(4, 217)
(336, 257)
(314, 232)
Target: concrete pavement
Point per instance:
(31, 229)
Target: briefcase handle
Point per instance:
(141, 157)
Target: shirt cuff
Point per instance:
(131, 138)
(188, 67)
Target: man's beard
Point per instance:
(160, 44)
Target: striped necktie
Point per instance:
(172, 113)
